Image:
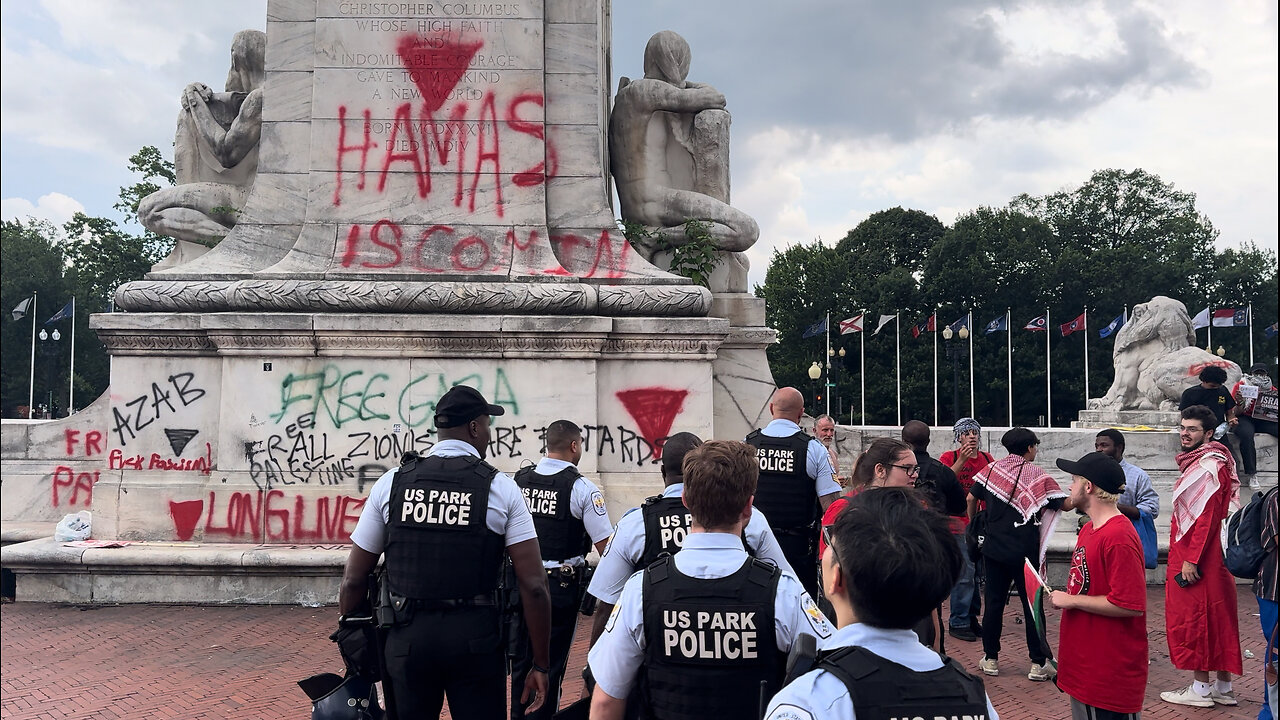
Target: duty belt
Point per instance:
(485, 600)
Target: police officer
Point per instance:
(796, 483)
(570, 514)
(443, 521)
(659, 527)
(710, 624)
(889, 562)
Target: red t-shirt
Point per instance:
(971, 467)
(1102, 661)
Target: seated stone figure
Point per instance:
(1156, 358)
(669, 152)
(215, 155)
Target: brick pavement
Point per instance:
(129, 661)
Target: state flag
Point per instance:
(852, 325)
(67, 311)
(815, 329)
(1040, 323)
(884, 320)
(1201, 320)
(1068, 328)
(1113, 326)
(928, 325)
(1272, 330)
(963, 322)
(20, 311)
(1231, 317)
(997, 325)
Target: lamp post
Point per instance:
(49, 350)
(833, 374)
(1222, 351)
(815, 372)
(955, 352)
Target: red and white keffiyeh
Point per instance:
(1200, 481)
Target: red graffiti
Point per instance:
(117, 460)
(1194, 370)
(608, 255)
(185, 515)
(268, 515)
(92, 442)
(654, 410)
(385, 246)
(65, 477)
(436, 65)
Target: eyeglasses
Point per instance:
(910, 470)
(826, 537)
(1188, 430)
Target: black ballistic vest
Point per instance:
(884, 690)
(666, 523)
(785, 492)
(709, 643)
(560, 535)
(438, 546)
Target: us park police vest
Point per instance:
(561, 536)
(666, 523)
(785, 492)
(709, 643)
(438, 546)
(884, 690)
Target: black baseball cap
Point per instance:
(1258, 368)
(1098, 469)
(461, 405)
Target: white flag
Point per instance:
(20, 311)
(1201, 319)
(884, 320)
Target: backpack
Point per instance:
(1242, 551)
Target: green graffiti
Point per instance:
(354, 396)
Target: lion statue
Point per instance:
(1156, 358)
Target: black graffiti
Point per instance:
(391, 446)
(139, 413)
(629, 446)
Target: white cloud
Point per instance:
(54, 207)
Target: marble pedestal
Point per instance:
(270, 428)
(1156, 419)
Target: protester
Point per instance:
(1211, 394)
(1022, 508)
(824, 427)
(1265, 588)
(1104, 604)
(1200, 595)
(885, 463)
(965, 461)
(889, 563)
(936, 482)
(708, 623)
(1257, 400)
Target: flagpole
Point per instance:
(1250, 311)
(897, 363)
(935, 362)
(1086, 356)
(972, 407)
(1209, 330)
(862, 374)
(827, 379)
(31, 383)
(1048, 374)
(1008, 333)
(71, 376)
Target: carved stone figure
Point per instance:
(669, 152)
(1156, 358)
(215, 155)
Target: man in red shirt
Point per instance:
(1201, 623)
(965, 461)
(1104, 605)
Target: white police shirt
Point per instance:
(616, 658)
(820, 695)
(622, 555)
(817, 462)
(507, 515)
(586, 503)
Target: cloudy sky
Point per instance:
(841, 108)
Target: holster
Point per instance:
(392, 609)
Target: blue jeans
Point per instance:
(965, 602)
(1267, 611)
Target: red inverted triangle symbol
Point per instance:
(654, 410)
(435, 66)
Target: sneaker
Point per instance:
(1042, 671)
(961, 633)
(989, 666)
(1253, 483)
(1186, 696)
(1226, 698)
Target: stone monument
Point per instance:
(431, 207)
(1155, 359)
(215, 156)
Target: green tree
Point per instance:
(31, 262)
